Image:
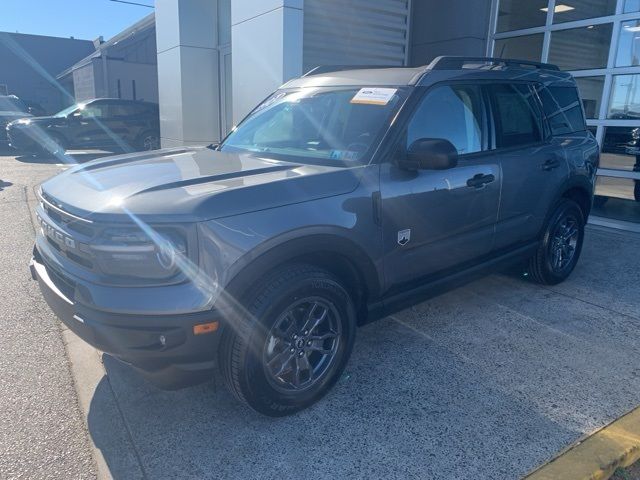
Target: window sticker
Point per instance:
(374, 96)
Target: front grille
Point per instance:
(68, 224)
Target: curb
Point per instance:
(87, 371)
(114, 454)
(599, 455)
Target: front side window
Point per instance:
(453, 113)
(516, 115)
(96, 110)
(336, 125)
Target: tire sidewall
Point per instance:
(566, 207)
(261, 395)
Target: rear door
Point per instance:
(533, 164)
(437, 219)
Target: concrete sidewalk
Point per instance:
(488, 381)
(42, 434)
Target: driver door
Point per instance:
(434, 220)
(89, 128)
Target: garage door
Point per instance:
(364, 32)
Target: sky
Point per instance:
(83, 19)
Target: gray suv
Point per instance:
(345, 195)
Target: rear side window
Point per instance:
(516, 115)
(562, 108)
(452, 112)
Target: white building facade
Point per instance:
(218, 58)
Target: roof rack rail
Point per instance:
(341, 68)
(456, 63)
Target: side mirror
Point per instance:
(430, 154)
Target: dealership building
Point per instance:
(218, 58)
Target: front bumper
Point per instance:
(162, 347)
(19, 139)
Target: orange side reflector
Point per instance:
(205, 328)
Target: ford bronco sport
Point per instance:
(345, 195)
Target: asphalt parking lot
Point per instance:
(487, 381)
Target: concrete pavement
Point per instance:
(42, 433)
(487, 381)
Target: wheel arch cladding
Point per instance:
(339, 256)
(581, 196)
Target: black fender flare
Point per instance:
(286, 248)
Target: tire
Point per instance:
(270, 331)
(149, 140)
(560, 245)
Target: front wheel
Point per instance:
(290, 346)
(560, 246)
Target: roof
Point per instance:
(147, 22)
(441, 68)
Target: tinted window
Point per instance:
(453, 113)
(516, 115)
(562, 109)
(337, 125)
(95, 110)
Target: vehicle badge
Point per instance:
(404, 236)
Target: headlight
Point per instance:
(130, 252)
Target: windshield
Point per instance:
(67, 111)
(337, 125)
(12, 103)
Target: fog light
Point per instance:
(205, 328)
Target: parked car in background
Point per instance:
(343, 197)
(97, 124)
(11, 108)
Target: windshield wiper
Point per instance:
(213, 146)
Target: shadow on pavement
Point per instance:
(4, 185)
(406, 407)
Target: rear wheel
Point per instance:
(560, 246)
(292, 343)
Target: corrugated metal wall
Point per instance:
(365, 32)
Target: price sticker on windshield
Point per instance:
(374, 96)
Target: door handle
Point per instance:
(480, 180)
(550, 164)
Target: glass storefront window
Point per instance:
(581, 48)
(571, 10)
(631, 6)
(629, 44)
(519, 14)
(527, 47)
(591, 93)
(617, 198)
(624, 103)
(621, 149)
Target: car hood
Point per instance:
(190, 184)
